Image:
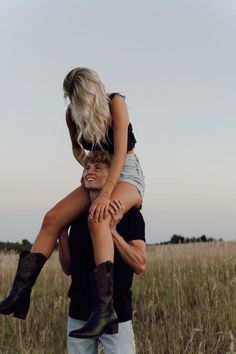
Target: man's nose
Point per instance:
(90, 171)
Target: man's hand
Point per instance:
(116, 209)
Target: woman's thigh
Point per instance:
(70, 207)
(128, 194)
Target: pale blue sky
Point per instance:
(175, 62)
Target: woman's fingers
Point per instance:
(97, 214)
(106, 211)
(100, 212)
(91, 212)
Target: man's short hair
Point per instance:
(100, 156)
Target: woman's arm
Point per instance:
(64, 253)
(77, 150)
(120, 121)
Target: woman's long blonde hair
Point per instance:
(89, 104)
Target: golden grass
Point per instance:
(185, 302)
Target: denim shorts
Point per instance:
(132, 172)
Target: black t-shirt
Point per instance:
(131, 227)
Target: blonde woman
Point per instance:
(96, 120)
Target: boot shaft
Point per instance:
(18, 299)
(103, 318)
(103, 287)
(29, 267)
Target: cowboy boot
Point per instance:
(18, 299)
(103, 318)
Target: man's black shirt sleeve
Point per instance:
(132, 226)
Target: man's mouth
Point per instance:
(90, 179)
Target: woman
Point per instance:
(95, 121)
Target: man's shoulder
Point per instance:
(133, 214)
(132, 225)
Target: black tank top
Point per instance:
(109, 144)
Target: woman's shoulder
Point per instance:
(113, 94)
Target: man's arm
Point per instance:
(133, 253)
(64, 253)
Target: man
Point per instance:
(76, 258)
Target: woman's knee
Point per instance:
(50, 220)
(99, 226)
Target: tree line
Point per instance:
(176, 239)
(25, 245)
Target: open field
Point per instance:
(185, 302)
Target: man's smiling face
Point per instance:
(95, 175)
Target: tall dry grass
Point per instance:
(185, 302)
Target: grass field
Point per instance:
(185, 302)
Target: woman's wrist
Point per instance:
(105, 196)
(110, 181)
(108, 188)
(106, 192)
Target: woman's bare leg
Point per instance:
(103, 246)
(57, 218)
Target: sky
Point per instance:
(175, 62)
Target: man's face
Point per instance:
(95, 175)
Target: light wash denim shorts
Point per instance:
(132, 172)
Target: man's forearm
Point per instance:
(134, 257)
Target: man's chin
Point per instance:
(90, 187)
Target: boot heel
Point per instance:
(113, 329)
(21, 314)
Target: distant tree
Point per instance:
(26, 245)
(203, 238)
(177, 239)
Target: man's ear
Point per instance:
(82, 180)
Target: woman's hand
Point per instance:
(116, 209)
(99, 208)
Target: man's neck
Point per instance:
(93, 194)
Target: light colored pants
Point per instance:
(120, 343)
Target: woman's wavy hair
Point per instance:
(89, 104)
